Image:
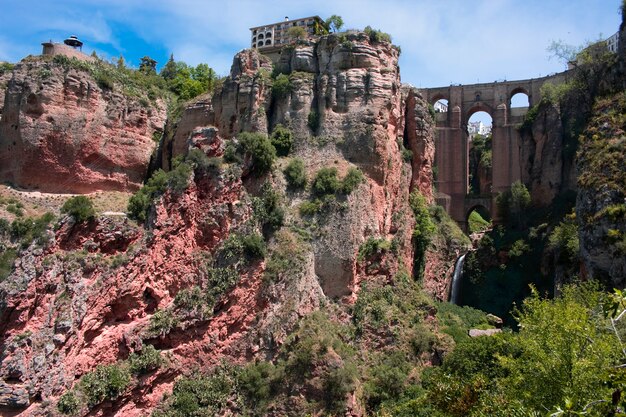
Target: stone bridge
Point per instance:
(452, 140)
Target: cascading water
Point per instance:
(456, 280)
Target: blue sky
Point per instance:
(443, 41)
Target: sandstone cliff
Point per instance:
(64, 131)
(103, 290)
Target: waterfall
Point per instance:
(456, 280)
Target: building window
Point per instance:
(260, 43)
(268, 42)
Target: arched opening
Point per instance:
(478, 219)
(268, 35)
(519, 99)
(479, 154)
(441, 105)
(268, 42)
(261, 36)
(260, 43)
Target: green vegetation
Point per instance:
(148, 360)
(255, 148)
(564, 241)
(200, 395)
(248, 247)
(373, 246)
(513, 203)
(175, 180)
(295, 174)
(107, 382)
(281, 87)
(476, 222)
(162, 322)
(68, 404)
(29, 230)
(282, 140)
(134, 84)
(549, 364)
(80, 208)
(6, 67)
(188, 82)
(286, 256)
(297, 32)
(7, 259)
(326, 182)
(351, 181)
(314, 120)
(334, 23)
(377, 36)
(268, 209)
(422, 232)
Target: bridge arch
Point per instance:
(478, 107)
(484, 212)
(519, 91)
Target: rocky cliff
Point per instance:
(63, 130)
(103, 292)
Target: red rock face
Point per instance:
(60, 132)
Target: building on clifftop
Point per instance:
(71, 47)
(269, 39)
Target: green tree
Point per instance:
(170, 69)
(258, 150)
(295, 174)
(282, 139)
(80, 208)
(147, 65)
(326, 181)
(297, 32)
(512, 204)
(334, 23)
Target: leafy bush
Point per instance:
(386, 380)
(281, 86)
(201, 162)
(145, 361)
(519, 248)
(314, 121)
(512, 204)
(351, 181)
(259, 149)
(268, 209)
(31, 230)
(377, 36)
(107, 382)
(310, 208)
(162, 322)
(282, 139)
(6, 67)
(287, 256)
(80, 208)
(564, 241)
(259, 381)
(201, 395)
(373, 246)
(176, 180)
(326, 181)
(7, 259)
(422, 232)
(295, 174)
(68, 404)
(192, 300)
(254, 246)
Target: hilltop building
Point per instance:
(71, 47)
(269, 39)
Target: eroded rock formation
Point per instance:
(61, 132)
